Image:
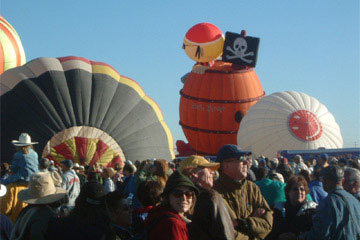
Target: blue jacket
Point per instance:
(23, 166)
(334, 219)
(317, 191)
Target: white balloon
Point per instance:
(288, 121)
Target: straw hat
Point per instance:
(2, 190)
(42, 190)
(24, 140)
(197, 161)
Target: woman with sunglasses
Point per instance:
(168, 221)
(294, 216)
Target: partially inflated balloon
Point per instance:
(83, 110)
(288, 121)
(11, 50)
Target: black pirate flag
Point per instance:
(240, 50)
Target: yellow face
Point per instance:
(204, 52)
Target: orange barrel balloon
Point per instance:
(213, 104)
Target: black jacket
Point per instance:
(288, 218)
(211, 219)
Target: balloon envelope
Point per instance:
(83, 110)
(288, 121)
(11, 50)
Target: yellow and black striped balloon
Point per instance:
(83, 110)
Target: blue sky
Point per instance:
(307, 46)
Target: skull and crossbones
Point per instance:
(239, 51)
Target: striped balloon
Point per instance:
(81, 110)
(11, 50)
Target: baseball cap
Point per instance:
(67, 162)
(324, 156)
(230, 151)
(197, 161)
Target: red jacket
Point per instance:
(168, 228)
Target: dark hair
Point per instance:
(142, 165)
(305, 174)
(137, 163)
(149, 193)
(44, 163)
(118, 167)
(284, 170)
(316, 175)
(113, 200)
(90, 204)
(260, 173)
(128, 168)
(295, 180)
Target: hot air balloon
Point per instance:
(203, 42)
(213, 104)
(288, 121)
(82, 110)
(11, 50)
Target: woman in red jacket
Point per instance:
(168, 221)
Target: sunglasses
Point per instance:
(240, 159)
(179, 193)
(126, 207)
(297, 189)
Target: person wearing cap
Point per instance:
(263, 163)
(89, 219)
(70, 182)
(168, 220)
(247, 206)
(6, 225)
(321, 162)
(79, 170)
(338, 215)
(25, 161)
(43, 198)
(211, 219)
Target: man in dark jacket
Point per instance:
(245, 202)
(211, 219)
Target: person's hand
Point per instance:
(258, 212)
(287, 236)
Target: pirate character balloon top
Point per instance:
(203, 42)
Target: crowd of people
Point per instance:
(234, 197)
